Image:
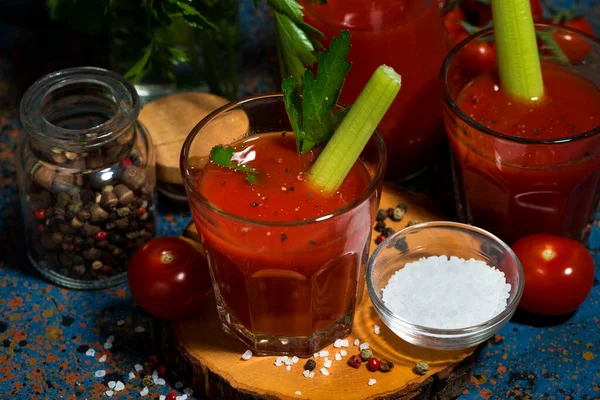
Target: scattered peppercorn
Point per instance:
(310, 365)
(100, 236)
(381, 215)
(388, 232)
(40, 214)
(421, 367)
(354, 361)
(390, 212)
(171, 396)
(385, 365)
(379, 239)
(398, 214)
(147, 381)
(374, 364)
(366, 354)
(254, 204)
(379, 226)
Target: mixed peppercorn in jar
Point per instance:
(86, 176)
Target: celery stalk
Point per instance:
(518, 59)
(351, 137)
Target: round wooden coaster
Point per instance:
(210, 361)
(169, 120)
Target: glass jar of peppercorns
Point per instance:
(86, 177)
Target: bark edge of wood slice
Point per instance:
(209, 361)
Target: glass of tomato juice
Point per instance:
(287, 262)
(526, 167)
(409, 36)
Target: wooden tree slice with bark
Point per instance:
(210, 361)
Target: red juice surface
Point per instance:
(283, 280)
(409, 36)
(515, 189)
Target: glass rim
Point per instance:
(126, 101)
(511, 305)
(449, 101)
(191, 190)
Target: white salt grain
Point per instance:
(324, 371)
(247, 355)
(323, 353)
(109, 393)
(119, 386)
(131, 376)
(110, 339)
(372, 381)
(288, 368)
(337, 343)
(446, 293)
(306, 373)
(295, 359)
(343, 352)
(363, 346)
(108, 345)
(278, 363)
(112, 384)
(90, 352)
(298, 393)
(120, 322)
(376, 329)
(316, 355)
(103, 358)
(140, 329)
(162, 397)
(100, 373)
(338, 357)
(138, 367)
(327, 364)
(188, 391)
(145, 392)
(345, 343)
(178, 385)
(312, 374)
(160, 382)
(356, 342)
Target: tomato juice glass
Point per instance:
(518, 184)
(281, 287)
(409, 36)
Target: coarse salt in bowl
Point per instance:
(420, 305)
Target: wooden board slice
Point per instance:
(169, 120)
(210, 361)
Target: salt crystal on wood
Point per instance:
(363, 346)
(372, 381)
(306, 373)
(356, 342)
(298, 393)
(337, 343)
(376, 329)
(345, 343)
(247, 355)
(327, 364)
(295, 359)
(338, 357)
(289, 367)
(446, 293)
(324, 371)
(323, 353)
(316, 355)
(312, 374)
(343, 352)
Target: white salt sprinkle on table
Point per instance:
(298, 393)
(376, 329)
(289, 367)
(363, 346)
(108, 345)
(327, 364)
(103, 358)
(312, 374)
(110, 339)
(160, 381)
(316, 355)
(162, 397)
(247, 355)
(345, 343)
(323, 353)
(356, 342)
(306, 373)
(343, 352)
(131, 375)
(295, 359)
(90, 352)
(119, 386)
(446, 293)
(138, 367)
(337, 343)
(324, 371)
(109, 393)
(100, 373)
(372, 381)
(278, 363)
(144, 392)
(112, 384)
(338, 357)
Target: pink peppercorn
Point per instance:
(373, 364)
(100, 236)
(354, 361)
(40, 214)
(171, 396)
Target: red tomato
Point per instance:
(452, 21)
(575, 48)
(559, 273)
(476, 57)
(169, 278)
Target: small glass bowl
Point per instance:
(435, 239)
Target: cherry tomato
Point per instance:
(575, 48)
(476, 57)
(452, 21)
(559, 273)
(169, 278)
(480, 11)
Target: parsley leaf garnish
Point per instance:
(222, 156)
(311, 116)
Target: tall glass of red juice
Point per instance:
(287, 262)
(523, 168)
(409, 36)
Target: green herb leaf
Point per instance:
(192, 16)
(221, 156)
(312, 117)
(139, 69)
